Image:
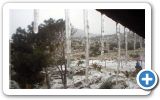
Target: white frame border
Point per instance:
(9, 6)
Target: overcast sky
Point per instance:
(24, 17)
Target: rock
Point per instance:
(78, 84)
(110, 83)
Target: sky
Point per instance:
(24, 17)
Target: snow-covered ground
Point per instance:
(97, 78)
(107, 63)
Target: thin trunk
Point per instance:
(108, 48)
(47, 78)
(65, 78)
(28, 86)
(61, 73)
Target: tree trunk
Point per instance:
(63, 76)
(28, 86)
(65, 79)
(47, 79)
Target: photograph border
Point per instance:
(6, 56)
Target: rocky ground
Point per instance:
(99, 76)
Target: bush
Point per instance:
(95, 49)
(97, 67)
(80, 62)
(134, 55)
(83, 56)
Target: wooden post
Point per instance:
(141, 43)
(86, 30)
(35, 25)
(126, 46)
(134, 45)
(102, 33)
(68, 42)
(119, 49)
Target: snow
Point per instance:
(56, 84)
(96, 78)
(14, 85)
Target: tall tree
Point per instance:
(31, 53)
(27, 61)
